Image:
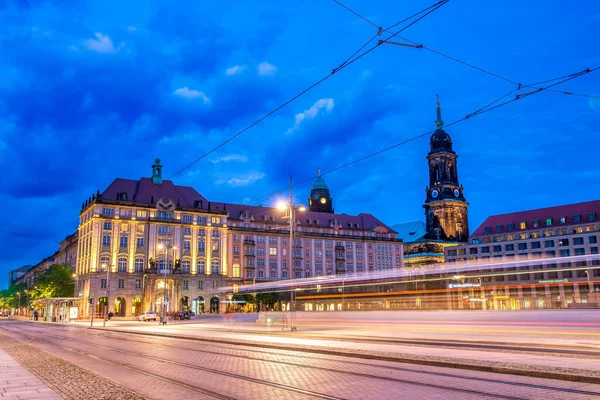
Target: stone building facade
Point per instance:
(552, 234)
(144, 241)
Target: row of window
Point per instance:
(578, 241)
(138, 284)
(202, 219)
(548, 222)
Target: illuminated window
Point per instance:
(548, 221)
(185, 266)
(273, 251)
(563, 220)
(200, 266)
(139, 265)
(215, 220)
(523, 225)
(122, 264)
(141, 213)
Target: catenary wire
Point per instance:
(464, 62)
(425, 13)
(352, 59)
(489, 107)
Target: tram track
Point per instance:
(478, 345)
(295, 364)
(167, 379)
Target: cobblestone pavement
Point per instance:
(68, 380)
(174, 369)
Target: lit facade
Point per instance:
(143, 231)
(554, 232)
(210, 245)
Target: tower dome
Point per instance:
(320, 198)
(440, 140)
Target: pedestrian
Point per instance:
(35, 315)
(60, 318)
(110, 315)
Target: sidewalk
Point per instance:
(17, 383)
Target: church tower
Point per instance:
(320, 200)
(445, 205)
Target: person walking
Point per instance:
(35, 315)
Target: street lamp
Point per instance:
(107, 293)
(291, 209)
(587, 274)
(19, 308)
(163, 319)
(26, 302)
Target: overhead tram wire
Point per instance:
(417, 45)
(489, 107)
(348, 62)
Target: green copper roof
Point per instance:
(320, 183)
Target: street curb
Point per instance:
(435, 363)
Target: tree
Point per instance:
(268, 299)
(56, 281)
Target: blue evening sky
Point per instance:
(93, 90)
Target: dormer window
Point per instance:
(123, 196)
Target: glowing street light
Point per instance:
(291, 214)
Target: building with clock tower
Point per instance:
(446, 222)
(320, 199)
(445, 205)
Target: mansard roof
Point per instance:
(558, 216)
(144, 191)
(307, 218)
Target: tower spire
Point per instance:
(439, 122)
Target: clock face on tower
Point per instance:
(434, 194)
(456, 193)
(323, 200)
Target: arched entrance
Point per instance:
(198, 305)
(214, 305)
(185, 303)
(136, 305)
(101, 305)
(120, 306)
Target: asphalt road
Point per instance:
(170, 368)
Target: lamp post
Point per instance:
(291, 214)
(163, 319)
(19, 308)
(107, 294)
(26, 302)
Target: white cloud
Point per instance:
(245, 181)
(236, 69)
(313, 111)
(102, 44)
(191, 94)
(266, 69)
(231, 157)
